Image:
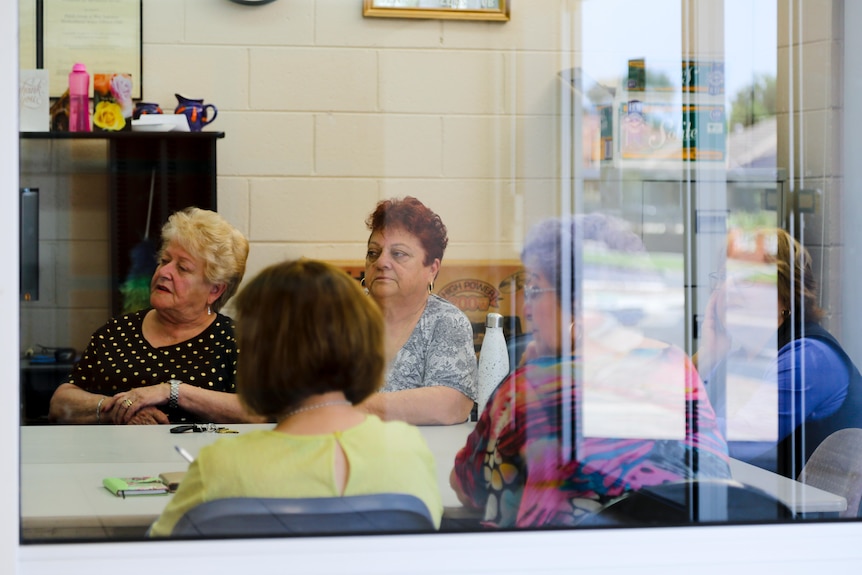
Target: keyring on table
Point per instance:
(185, 428)
(200, 428)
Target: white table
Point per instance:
(800, 498)
(62, 468)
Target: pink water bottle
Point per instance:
(79, 99)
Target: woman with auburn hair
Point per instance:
(312, 349)
(432, 373)
(176, 361)
(819, 389)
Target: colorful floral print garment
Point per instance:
(528, 465)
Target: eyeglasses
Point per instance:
(532, 292)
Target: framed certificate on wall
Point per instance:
(104, 35)
(26, 34)
(447, 9)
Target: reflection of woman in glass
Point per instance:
(819, 390)
(529, 462)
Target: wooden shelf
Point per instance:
(118, 135)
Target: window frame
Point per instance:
(793, 548)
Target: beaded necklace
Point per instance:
(315, 406)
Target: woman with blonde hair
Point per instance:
(175, 361)
(819, 389)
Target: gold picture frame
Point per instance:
(493, 10)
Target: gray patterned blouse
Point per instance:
(439, 352)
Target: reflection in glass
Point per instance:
(594, 412)
(780, 381)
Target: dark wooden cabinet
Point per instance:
(179, 166)
(181, 169)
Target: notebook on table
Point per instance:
(129, 486)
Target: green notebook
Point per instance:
(128, 486)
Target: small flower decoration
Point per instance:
(109, 116)
(121, 90)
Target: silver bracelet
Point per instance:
(99, 411)
(174, 396)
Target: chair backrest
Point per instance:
(687, 502)
(836, 467)
(256, 516)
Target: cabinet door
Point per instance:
(152, 176)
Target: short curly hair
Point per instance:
(554, 247)
(414, 217)
(208, 236)
(305, 328)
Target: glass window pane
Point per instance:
(691, 325)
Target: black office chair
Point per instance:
(688, 502)
(257, 516)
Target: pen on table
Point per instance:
(186, 455)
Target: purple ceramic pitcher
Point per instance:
(196, 112)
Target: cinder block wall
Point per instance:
(810, 130)
(325, 112)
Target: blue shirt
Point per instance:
(813, 382)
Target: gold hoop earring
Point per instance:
(431, 287)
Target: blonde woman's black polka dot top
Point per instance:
(118, 358)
